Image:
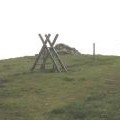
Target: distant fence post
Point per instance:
(93, 50)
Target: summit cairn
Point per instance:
(65, 49)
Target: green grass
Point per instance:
(90, 90)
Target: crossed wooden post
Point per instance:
(49, 52)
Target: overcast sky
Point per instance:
(79, 23)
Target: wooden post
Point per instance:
(93, 50)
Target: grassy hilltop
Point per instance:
(90, 90)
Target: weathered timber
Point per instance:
(49, 52)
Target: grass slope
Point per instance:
(90, 90)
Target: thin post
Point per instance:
(94, 50)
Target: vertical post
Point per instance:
(94, 51)
(43, 61)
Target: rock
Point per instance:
(65, 49)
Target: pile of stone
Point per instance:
(65, 49)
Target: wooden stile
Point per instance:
(49, 52)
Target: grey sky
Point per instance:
(78, 22)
